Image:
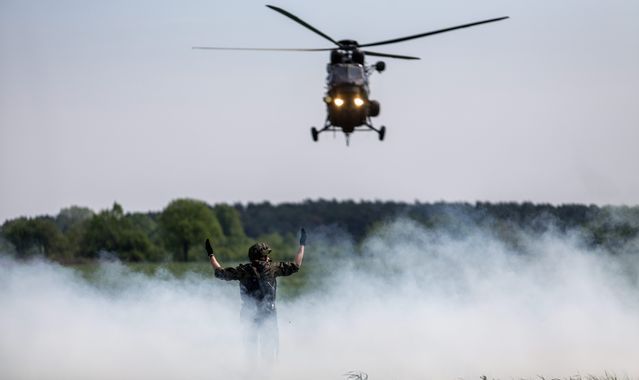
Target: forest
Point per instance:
(177, 233)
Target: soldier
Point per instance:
(258, 287)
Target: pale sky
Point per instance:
(106, 101)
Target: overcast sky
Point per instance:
(106, 101)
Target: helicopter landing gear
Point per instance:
(348, 130)
(382, 133)
(327, 127)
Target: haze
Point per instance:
(422, 304)
(106, 101)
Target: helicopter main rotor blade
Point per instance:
(432, 32)
(301, 22)
(388, 55)
(257, 49)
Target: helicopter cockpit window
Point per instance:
(346, 74)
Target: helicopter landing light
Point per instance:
(358, 102)
(339, 102)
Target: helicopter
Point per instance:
(347, 97)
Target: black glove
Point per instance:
(208, 247)
(302, 236)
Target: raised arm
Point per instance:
(228, 274)
(209, 250)
(299, 256)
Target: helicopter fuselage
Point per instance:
(347, 93)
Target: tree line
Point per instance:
(177, 232)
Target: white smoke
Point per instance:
(417, 304)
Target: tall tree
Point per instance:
(35, 236)
(186, 223)
(71, 217)
(18, 232)
(113, 232)
(230, 221)
(73, 222)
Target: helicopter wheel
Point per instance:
(314, 134)
(382, 133)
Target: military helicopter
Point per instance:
(347, 96)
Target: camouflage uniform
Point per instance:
(258, 283)
(258, 287)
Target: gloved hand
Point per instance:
(302, 236)
(209, 248)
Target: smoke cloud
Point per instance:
(413, 304)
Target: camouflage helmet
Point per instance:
(258, 250)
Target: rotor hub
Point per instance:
(348, 44)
